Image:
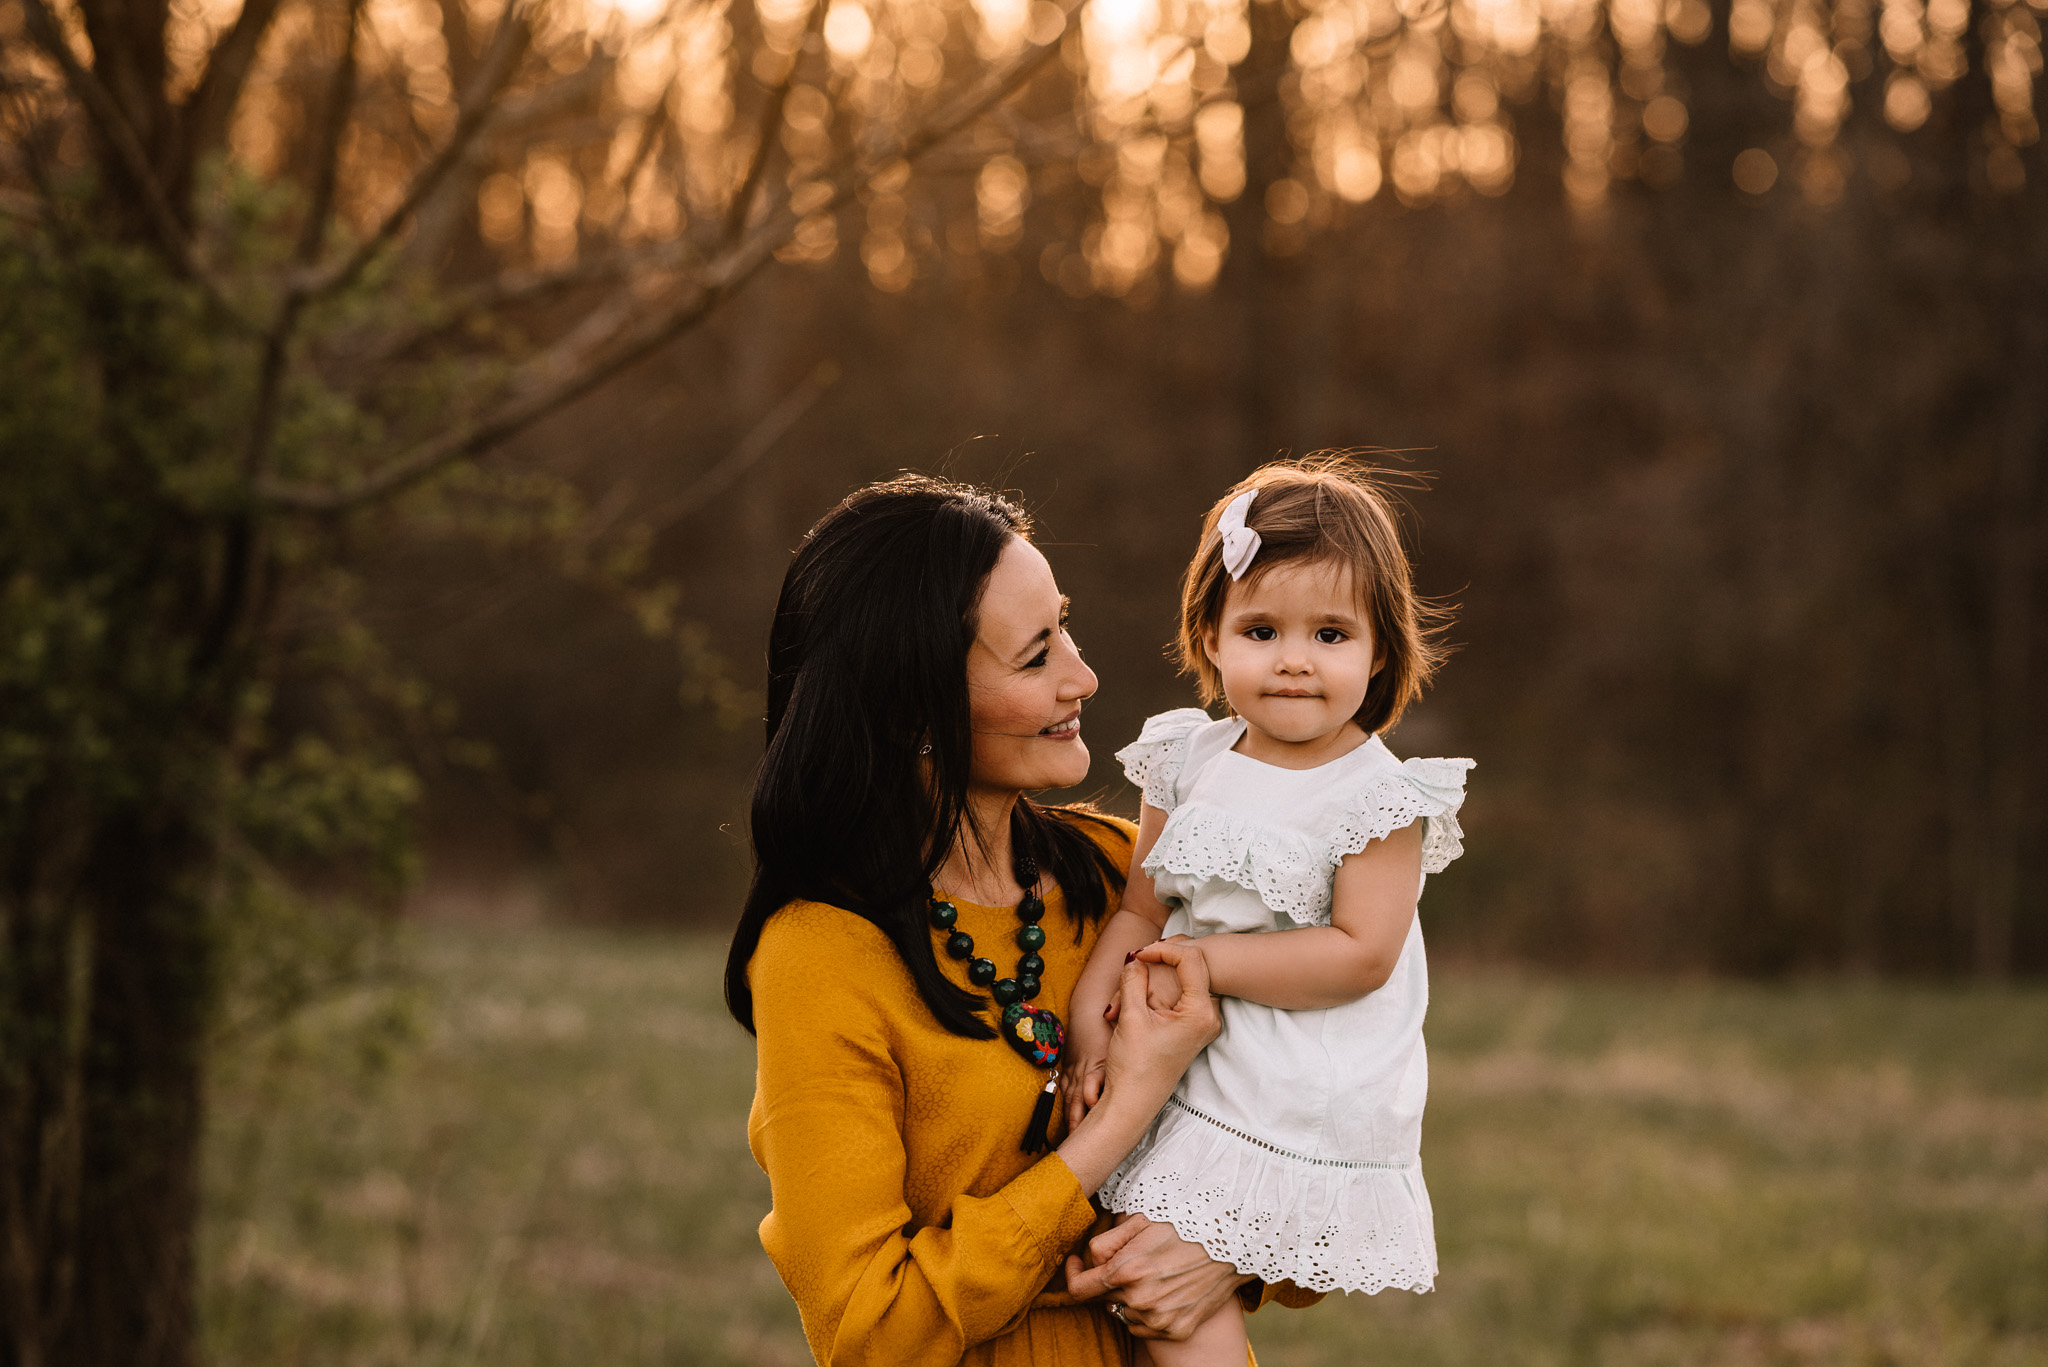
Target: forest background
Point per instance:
(411, 407)
(1738, 493)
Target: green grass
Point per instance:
(554, 1171)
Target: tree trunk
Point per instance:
(107, 988)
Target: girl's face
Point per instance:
(1295, 651)
(1025, 680)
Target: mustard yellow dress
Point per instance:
(907, 1222)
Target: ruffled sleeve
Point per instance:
(1153, 762)
(1293, 869)
(1426, 790)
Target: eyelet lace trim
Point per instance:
(1277, 1216)
(1154, 760)
(1292, 873)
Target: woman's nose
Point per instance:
(1080, 682)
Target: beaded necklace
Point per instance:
(1034, 1032)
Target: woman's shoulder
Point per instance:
(1113, 833)
(815, 943)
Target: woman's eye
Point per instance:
(1330, 636)
(1261, 633)
(1038, 661)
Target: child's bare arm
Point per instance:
(1134, 926)
(1372, 907)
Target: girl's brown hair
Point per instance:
(1326, 508)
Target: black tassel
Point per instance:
(1037, 1134)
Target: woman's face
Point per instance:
(1026, 680)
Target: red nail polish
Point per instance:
(1130, 956)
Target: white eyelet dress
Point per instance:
(1292, 1148)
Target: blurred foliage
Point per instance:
(109, 706)
(1624, 1172)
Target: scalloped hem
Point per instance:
(1325, 1226)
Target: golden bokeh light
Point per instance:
(1387, 105)
(1755, 171)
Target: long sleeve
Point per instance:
(855, 1082)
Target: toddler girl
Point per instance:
(1293, 846)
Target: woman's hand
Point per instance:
(1166, 1285)
(1092, 1006)
(1150, 1049)
(1157, 1041)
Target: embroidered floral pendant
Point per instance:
(1034, 1032)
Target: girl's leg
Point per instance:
(1218, 1341)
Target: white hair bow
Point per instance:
(1240, 543)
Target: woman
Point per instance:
(920, 681)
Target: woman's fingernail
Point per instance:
(1130, 956)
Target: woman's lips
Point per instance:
(1063, 730)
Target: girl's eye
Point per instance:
(1330, 636)
(1261, 633)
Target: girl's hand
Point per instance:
(1162, 984)
(1166, 1285)
(1083, 1064)
(1154, 1042)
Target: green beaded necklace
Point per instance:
(1034, 1032)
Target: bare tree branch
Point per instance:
(574, 367)
(758, 442)
(106, 115)
(771, 126)
(527, 285)
(277, 342)
(341, 94)
(41, 206)
(210, 106)
(652, 134)
(507, 46)
(440, 215)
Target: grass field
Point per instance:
(553, 1170)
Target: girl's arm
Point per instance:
(1372, 906)
(1136, 924)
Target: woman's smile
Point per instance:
(1024, 667)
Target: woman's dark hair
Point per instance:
(867, 665)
